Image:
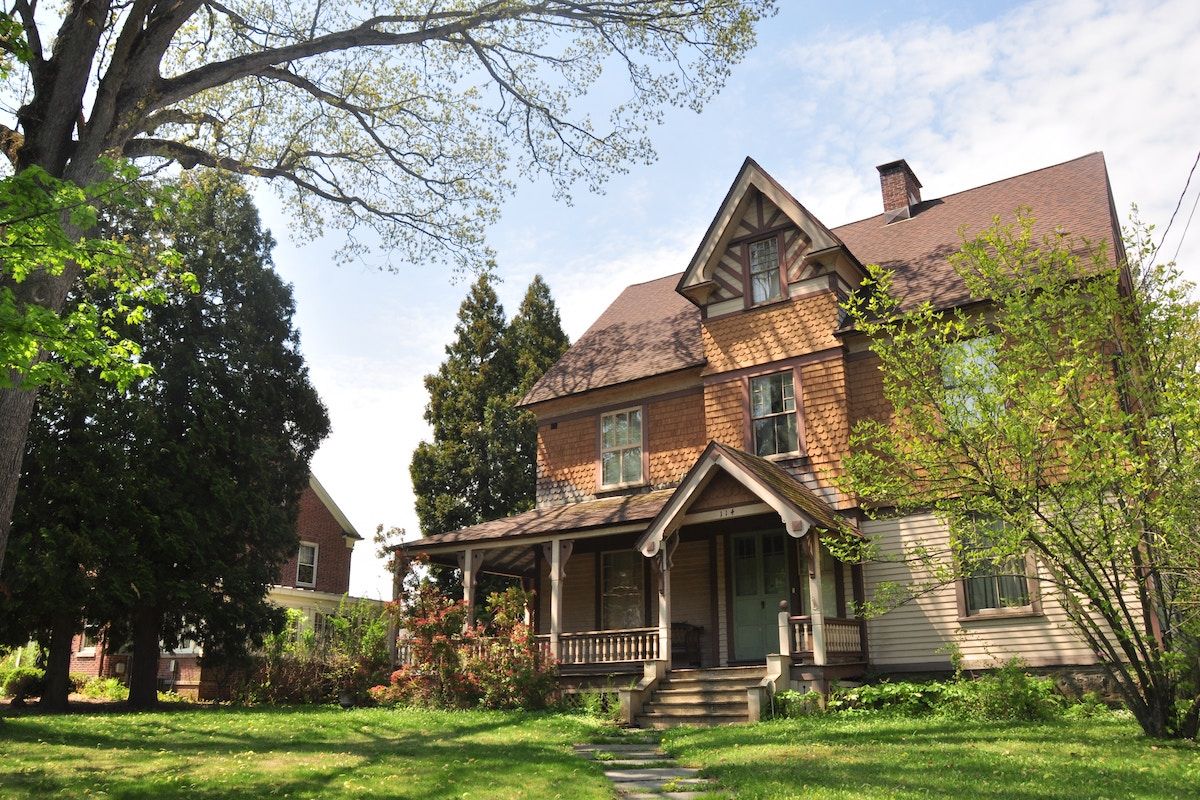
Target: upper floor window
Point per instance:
(621, 447)
(306, 565)
(764, 271)
(773, 414)
(970, 378)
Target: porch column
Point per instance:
(557, 553)
(469, 562)
(816, 612)
(664, 600)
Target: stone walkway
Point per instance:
(642, 771)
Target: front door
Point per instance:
(759, 569)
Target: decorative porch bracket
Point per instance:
(469, 563)
(557, 552)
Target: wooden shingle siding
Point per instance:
(723, 491)
(787, 329)
(566, 461)
(864, 387)
(916, 635)
(675, 436)
(826, 421)
(725, 412)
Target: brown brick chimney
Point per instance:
(901, 189)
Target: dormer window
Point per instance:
(765, 285)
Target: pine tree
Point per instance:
(198, 470)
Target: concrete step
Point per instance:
(734, 694)
(658, 720)
(697, 709)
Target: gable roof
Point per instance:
(650, 329)
(798, 506)
(723, 227)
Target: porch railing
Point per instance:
(843, 637)
(585, 647)
(607, 647)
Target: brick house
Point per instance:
(688, 444)
(314, 581)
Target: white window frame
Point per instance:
(778, 292)
(316, 559)
(640, 445)
(794, 412)
(87, 643)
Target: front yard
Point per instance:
(875, 757)
(320, 752)
(315, 752)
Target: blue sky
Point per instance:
(967, 92)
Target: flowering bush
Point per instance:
(449, 665)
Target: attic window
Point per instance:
(765, 285)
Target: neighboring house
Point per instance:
(688, 442)
(313, 581)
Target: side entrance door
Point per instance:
(759, 570)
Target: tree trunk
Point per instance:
(143, 664)
(58, 665)
(16, 410)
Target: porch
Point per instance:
(725, 570)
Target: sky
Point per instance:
(968, 93)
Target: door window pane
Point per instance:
(622, 587)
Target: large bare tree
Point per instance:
(411, 117)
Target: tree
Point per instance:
(403, 117)
(454, 477)
(199, 469)
(536, 340)
(1062, 423)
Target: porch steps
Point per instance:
(701, 697)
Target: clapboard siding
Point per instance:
(919, 633)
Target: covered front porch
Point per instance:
(724, 570)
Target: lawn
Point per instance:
(874, 757)
(299, 753)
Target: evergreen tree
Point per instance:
(188, 485)
(536, 340)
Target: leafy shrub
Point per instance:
(105, 689)
(78, 680)
(790, 703)
(24, 682)
(1007, 694)
(1089, 706)
(902, 697)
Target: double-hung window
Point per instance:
(621, 447)
(773, 414)
(764, 271)
(622, 581)
(970, 378)
(306, 564)
(996, 583)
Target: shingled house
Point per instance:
(688, 442)
(313, 581)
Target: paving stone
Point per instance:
(650, 774)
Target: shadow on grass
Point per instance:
(218, 753)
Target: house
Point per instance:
(688, 446)
(313, 581)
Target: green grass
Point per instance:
(870, 757)
(327, 753)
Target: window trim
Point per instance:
(316, 560)
(748, 411)
(601, 486)
(1031, 609)
(747, 283)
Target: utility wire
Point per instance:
(1183, 235)
(1176, 211)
